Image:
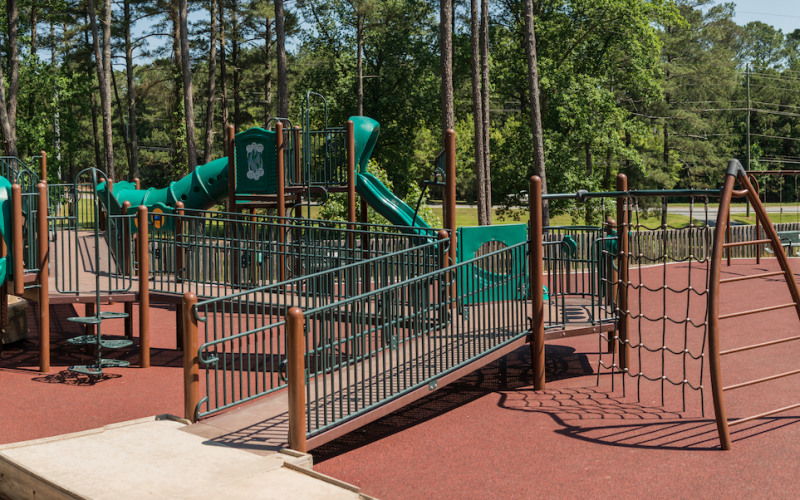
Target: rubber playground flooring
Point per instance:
(488, 434)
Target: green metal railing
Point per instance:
(367, 350)
(72, 211)
(214, 254)
(326, 156)
(243, 347)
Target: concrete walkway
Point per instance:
(153, 458)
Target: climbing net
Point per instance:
(662, 253)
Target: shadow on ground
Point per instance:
(506, 374)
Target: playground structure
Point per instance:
(354, 320)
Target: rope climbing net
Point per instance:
(662, 250)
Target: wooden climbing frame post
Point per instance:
(191, 362)
(295, 354)
(537, 281)
(43, 260)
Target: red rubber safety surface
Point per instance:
(489, 434)
(35, 405)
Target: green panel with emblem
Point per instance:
(256, 162)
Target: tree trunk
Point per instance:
(56, 101)
(103, 65)
(223, 74)
(360, 61)
(188, 91)
(98, 154)
(446, 63)
(536, 116)
(177, 138)
(8, 101)
(212, 82)
(484, 212)
(121, 116)
(237, 98)
(267, 69)
(98, 157)
(34, 23)
(283, 82)
(587, 148)
(486, 92)
(9, 139)
(133, 136)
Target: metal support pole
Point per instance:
(230, 135)
(622, 271)
(144, 288)
(43, 165)
(298, 171)
(191, 363)
(16, 239)
(281, 181)
(351, 182)
(43, 259)
(179, 256)
(295, 353)
(450, 201)
(536, 266)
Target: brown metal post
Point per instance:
(137, 182)
(295, 354)
(537, 281)
(43, 258)
(713, 312)
(230, 135)
(16, 239)
(179, 257)
(622, 271)
(43, 165)
(351, 182)
(450, 199)
(191, 362)
(144, 288)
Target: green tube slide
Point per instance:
(373, 190)
(201, 189)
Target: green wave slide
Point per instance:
(373, 190)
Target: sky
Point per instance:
(782, 14)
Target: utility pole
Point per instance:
(747, 79)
